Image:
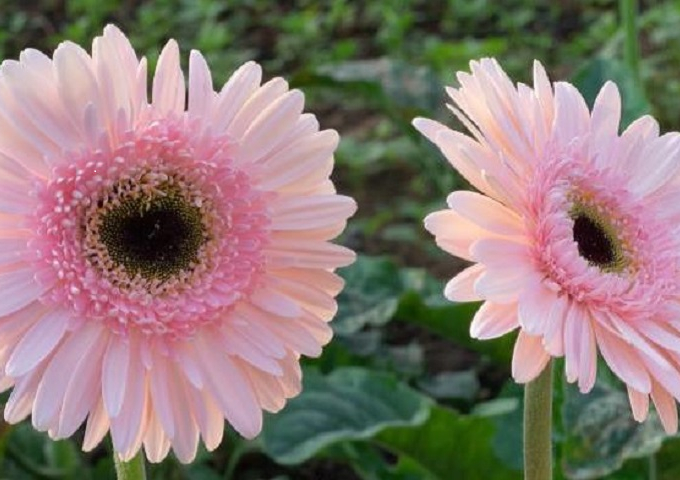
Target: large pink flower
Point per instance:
(575, 236)
(161, 268)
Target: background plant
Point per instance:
(403, 392)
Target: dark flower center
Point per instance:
(156, 237)
(595, 244)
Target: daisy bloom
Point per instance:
(574, 235)
(162, 266)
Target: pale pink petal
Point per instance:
(241, 85)
(605, 121)
(572, 119)
(270, 126)
(114, 372)
(300, 159)
(255, 104)
(83, 389)
(168, 81)
(639, 404)
(486, 212)
(54, 383)
(664, 154)
(493, 320)
(535, 303)
(38, 342)
(623, 360)
(466, 156)
(461, 287)
(500, 286)
(76, 79)
(666, 408)
(201, 94)
(19, 289)
(128, 425)
(575, 323)
(270, 300)
(308, 254)
(208, 417)
(298, 213)
(156, 442)
(97, 427)
(229, 388)
(529, 358)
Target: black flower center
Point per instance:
(156, 237)
(595, 244)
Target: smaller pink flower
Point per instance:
(574, 235)
(163, 264)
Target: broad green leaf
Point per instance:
(600, 432)
(348, 404)
(371, 295)
(370, 463)
(452, 321)
(452, 385)
(590, 78)
(450, 445)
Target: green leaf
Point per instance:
(371, 464)
(590, 78)
(452, 385)
(371, 295)
(600, 432)
(452, 321)
(450, 445)
(348, 404)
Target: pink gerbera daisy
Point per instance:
(161, 268)
(574, 234)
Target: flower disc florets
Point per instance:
(164, 221)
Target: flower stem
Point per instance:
(631, 52)
(538, 426)
(132, 470)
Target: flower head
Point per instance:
(574, 236)
(162, 268)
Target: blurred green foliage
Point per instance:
(402, 393)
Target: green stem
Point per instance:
(538, 426)
(237, 452)
(652, 467)
(628, 10)
(132, 470)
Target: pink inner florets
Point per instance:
(167, 153)
(645, 279)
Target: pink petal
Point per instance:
(301, 158)
(486, 212)
(168, 81)
(461, 287)
(38, 342)
(255, 104)
(639, 404)
(535, 303)
(241, 85)
(19, 289)
(493, 320)
(271, 125)
(114, 372)
(301, 213)
(666, 408)
(307, 254)
(229, 388)
(50, 395)
(529, 358)
(201, 94)
(623, 360)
